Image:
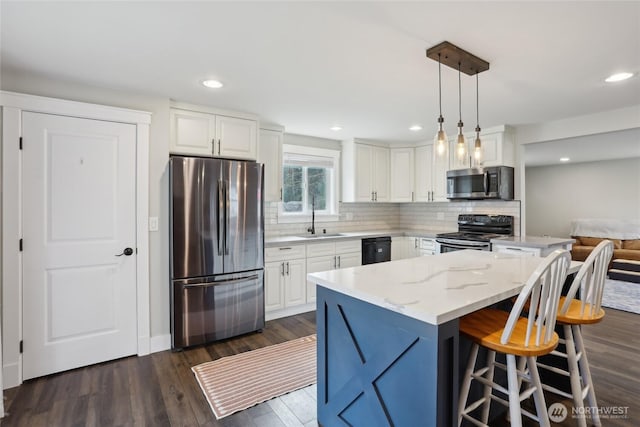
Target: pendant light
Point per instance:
(461, 145)
(441, 142)
(453, 56)
(477, 146)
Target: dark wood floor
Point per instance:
(160, 389)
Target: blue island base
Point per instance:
(378, 367)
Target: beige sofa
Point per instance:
(622, 249)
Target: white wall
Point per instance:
(558, 194)
(158, 181)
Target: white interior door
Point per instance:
(79, 297)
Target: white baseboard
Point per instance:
(11, 375)
(289, 311)
(160, 343)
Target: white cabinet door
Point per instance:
(237, 138)
(315, 264)
(402, 175)
(423, 173)
(270, 154)
(413, 247)
(363, 173)
(295, 282)
(498, 148)
(273, 286)
(516, 250)
(380, 174)
(192, 132)
(398, 248)
(440, 167)
(352, 259)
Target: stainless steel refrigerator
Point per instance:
(217, 249)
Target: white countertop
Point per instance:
(534, 241)
(286, 240)
(435, 289)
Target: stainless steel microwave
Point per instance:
(494, 182)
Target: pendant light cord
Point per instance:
(477, 103)
(439, 86)
(459, 96)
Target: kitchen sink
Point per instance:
(320, 236)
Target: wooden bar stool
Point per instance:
(512, 335)
(572, 314)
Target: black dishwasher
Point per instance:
(376, 249)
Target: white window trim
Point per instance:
(289, 218)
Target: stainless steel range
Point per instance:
(475, 232)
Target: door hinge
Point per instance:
(20, 245)
(21, 347)
(21, 143)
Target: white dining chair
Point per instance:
(573, 313)
(515, 336)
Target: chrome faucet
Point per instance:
(312, 229)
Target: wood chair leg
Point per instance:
(514, 393)
(538, 395)
(574, 374)
(586, 376)
(466, 382)
(486, 407)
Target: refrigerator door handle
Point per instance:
(220, 223)
(227, 214)
(221, 282)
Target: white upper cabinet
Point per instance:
(365, 172)
(270, 154)
(192, 132)
(402, 175)
(430, 175)
(423, 156)
(201, 131)
(497, 149)
(439, 177)
(237, 138)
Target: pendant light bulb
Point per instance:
(461, 145)
(441, 142)
(477, 146)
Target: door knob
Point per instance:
(127, 252)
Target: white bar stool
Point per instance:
(512, 335)
(572, 314)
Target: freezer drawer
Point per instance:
(205, 311)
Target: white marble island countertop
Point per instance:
(435, 289)
(534, 241)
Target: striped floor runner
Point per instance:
(238, 382)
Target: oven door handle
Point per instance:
(466, 245)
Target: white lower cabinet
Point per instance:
(330, 256)
(284, 278)
(515, 250)
(410, 247)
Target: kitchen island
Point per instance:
(388, 341)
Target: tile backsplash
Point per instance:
(428, 217)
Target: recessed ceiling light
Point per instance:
(212, 84)
(335, 128)
(618, 77)
(415, 128)
(564, 159)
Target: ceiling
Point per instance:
(605, 146)
(361, 65)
